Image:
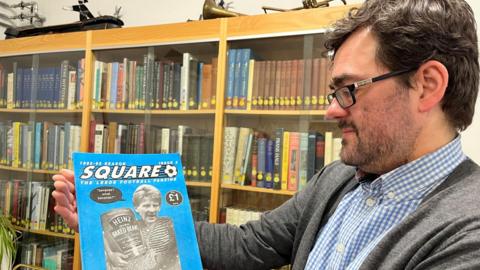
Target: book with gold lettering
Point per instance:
(134, 212)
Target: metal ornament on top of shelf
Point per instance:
(212, 10)
(306, 4)
(87, 21)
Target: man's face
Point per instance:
(148, 209)
(379, 131)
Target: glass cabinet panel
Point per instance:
(40, 123)
(275, 136)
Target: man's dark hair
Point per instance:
(409, 32)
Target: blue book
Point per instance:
(38, 145)
(244, 66)
(269, 166)
(134, 212)
(237, 84)
(232, 56)
(56, 88)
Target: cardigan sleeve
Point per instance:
(262, 244)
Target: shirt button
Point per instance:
(340, 248)
(391, 195)
(370, 201)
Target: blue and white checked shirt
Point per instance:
(367, 213)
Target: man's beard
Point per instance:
(374, 150)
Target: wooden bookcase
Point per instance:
(292, 35)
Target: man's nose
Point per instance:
(335, 111)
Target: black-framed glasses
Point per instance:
(345, 95)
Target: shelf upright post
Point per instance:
(219, 122)
(86, 116)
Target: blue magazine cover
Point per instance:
(134, 212)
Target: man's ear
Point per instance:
(431, 82)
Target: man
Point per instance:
(404, 195)
(157, 233)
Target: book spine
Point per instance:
(247, 158)
(319, 152)
(269, 160)
(80, 88)
(278, 85)
(328, 157)
(244, 77)
(230, 146)
(206, 86)
(293, 168)
(300, 84)
(240, 153)
(303, 167)
(311, 157)
(184, 82)
(176, 86)
(262, 156)
(254, 162)
(114, 85)
(194, 89)
(285, 159)
(232, 56)
(98, 138)
(72, 84)
(277, 160)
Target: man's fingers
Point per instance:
(70, 217)
(69, 185)
(62, 200)
(69, 176)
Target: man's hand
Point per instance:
(65, 201)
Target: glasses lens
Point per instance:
(344, 97)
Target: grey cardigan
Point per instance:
(443, 233)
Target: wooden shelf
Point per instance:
(198, 184)
(174, 33)
(36, 111)
(156, 112)
(44, 232)
(9, 168)
(63, 42)
(257, 189)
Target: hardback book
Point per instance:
(134, 212)
(230, 141)
(232, 55)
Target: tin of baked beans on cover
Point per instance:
(121, 229)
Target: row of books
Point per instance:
(45, 254)
(159, 85)
(196, 149)
(275, 84)
(189, 84)
(53, 87)
(199, 203)
(238, 216)
(284, 161)
(29, 204)
(38, 145)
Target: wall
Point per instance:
(146, 12)
(471, 137)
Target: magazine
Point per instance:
(134, 212)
